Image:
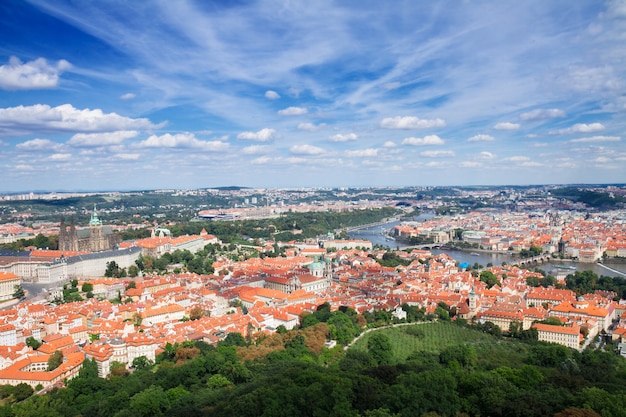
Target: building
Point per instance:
(96, 238)
(563, 335)
(8, 282)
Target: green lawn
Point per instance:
(434, 337)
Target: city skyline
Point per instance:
(198, 94)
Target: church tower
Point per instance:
(473, 301)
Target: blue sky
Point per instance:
(119, 95)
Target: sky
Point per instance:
(118, 95)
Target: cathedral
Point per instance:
(97, 238)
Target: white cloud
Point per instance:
(255, 149)
(437, 154)
(481, 138)
(435, 164)
(310, 127)
(343, 137)
(306, 150)
(487, 155)
(471, 164)
(128, 96)
(60, 156)
(362, 153)
(530, 164)
(597, 139)
(293, 111)
(263, 135)
(582, 128)
(101, 139)
(261, 160)
(601, 160)
(184, 141)
(507, 126)
(272, 95)
(541, 114)
(31, 75)
(389, 144)
(127, 156)
(518, 158)
(41, 117)
(38, 145)
(410, 122)
(426, 140)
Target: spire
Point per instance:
(95, 221)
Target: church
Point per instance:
(96, 238)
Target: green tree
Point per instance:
(133, 271)
(489, 278)
(379, 347)
(22, 391)
(141, 363)
(87, 287)
(55, 360)
(150, 402)
(18, 292)
(33, 343)
(233, 339)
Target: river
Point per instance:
(378, 236)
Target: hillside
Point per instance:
(434, 369)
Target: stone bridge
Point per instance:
(534, 260)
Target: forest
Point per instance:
(424, 368)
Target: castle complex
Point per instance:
(97, 238)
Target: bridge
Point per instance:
(427, 246)
(539, 259)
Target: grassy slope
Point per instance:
(434, 337)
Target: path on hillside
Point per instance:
(383, 327)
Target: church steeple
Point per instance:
(95, 221)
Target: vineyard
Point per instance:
(434, 337)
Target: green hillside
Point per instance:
(433, 369)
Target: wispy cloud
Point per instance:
(597, 139)
(343, 137)
(542, 114)
(438, 154)
(507, 126)
(426, 140)
(183, 141)
(272, 95)
(293, 111)
(101, 139)
(481, 138)
(306, 150)
(263, 135)
(410, 122)
(310, 127)
(362, 153)
(582, 128)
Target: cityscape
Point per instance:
(330, 208)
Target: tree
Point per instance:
(33, 343)
(133, 271)
(233, 339)
(196, 313)
(18, 292)
(380, 348)
(141, 363)
(118, 369)
(22, 391)
(489, 278)
(55, 360)
(149, 402)
(87, 287)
